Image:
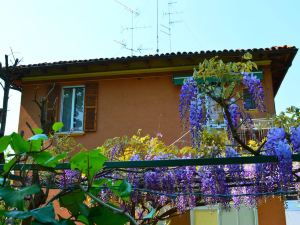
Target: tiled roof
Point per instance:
(165, 55)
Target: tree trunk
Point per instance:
(4, 115)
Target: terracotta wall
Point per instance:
(125, 105)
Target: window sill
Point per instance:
(71, 134)
(251, 110)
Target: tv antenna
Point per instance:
(134, 13)
(168, 29)
(137, 50)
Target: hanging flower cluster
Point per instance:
(255, 89)
(295, 139)
(189, 93)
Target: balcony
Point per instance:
(260, 130)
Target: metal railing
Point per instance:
(258, 131)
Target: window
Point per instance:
(72, 108)
(248, 101)
(214, 112)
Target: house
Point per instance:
(102, 98)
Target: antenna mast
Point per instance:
(131, 28)
(157, 49)
(167, 29)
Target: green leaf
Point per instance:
(4, 142)
(37, 130)
(88, 162)
(8, 166)
(46, 159)
(100, 182)
(45, 214)
(122, 189)
(83, 219)
(38, 137)
(57, 126)
(18, 144)
(104, 216)
(15, 198)
(247, 56)
(18, 214)
(42, 215)
(84, 210)
(72, 201)
(35, 145)
(66, 222)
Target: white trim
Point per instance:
(72, 110)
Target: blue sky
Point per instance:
(46, 31)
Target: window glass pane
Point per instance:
(78, 109)
(67, 109)
(248, 101)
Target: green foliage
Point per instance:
(18, 144)
(213, 142)
(15, 198)
(289, 118)
(122, 189)
(4, 142)
(47, 159)
(73, 201)
(88, 162)
(43, 215)
(57, 126)
(225, 76)
(26, 200)
(103, 216)
(37, 130)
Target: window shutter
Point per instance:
(52, 98)
(90, 106)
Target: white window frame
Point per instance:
(72, 110)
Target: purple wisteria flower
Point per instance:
(235, 170)
(281, 174)
(69, 178)
(213, 184)
(255, 89)
(295, 139)
(284, 154)
(189, 92)
(234, 113)
(196, 121)
(275, 135)
(115, 151)
(243, 195)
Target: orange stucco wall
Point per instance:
(271, 211)
(127, 104)
(124, 106)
